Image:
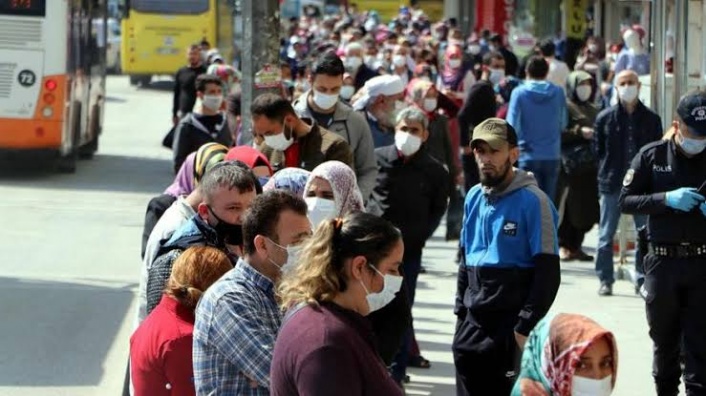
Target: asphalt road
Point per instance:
(70, 263)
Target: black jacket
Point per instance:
(185, 89)
(412, 195)
(190, 135)
(614, 144)
(364, 74)
(479, 105)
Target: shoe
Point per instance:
(580, 255)
(605, 290)
(565, 254)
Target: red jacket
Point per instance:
(160, 352)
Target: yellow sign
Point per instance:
(576, 18)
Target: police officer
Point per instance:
(662, 183)
(509, 274)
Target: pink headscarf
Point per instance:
(341, 177)
(452, 77)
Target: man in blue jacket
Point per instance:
(619, 133)
(537, 111)
(509, 275)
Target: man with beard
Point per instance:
(379, 101)
(509, 273)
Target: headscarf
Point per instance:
(249, 156)
(554, 348)
(452, 77)
(207, 156)
(290, 179)
(184, 181)
(386, 85)
(341, 177)
(576, 78)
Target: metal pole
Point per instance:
(680, 53)
(658, 50)
(260, 50)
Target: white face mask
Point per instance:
(627, 93)
(430, 104)
(324, 101)
(391, 285)
(593, 48)
(583, 92)
(354, 62)
(279, 141)
(407, 143)
(455, 63)
(399, 105)
(581, 386)
(399, 60)
(212, 102)
(320, 210)
(496, 75)
(347, 91)
(691, 146)
(474, 49)
(292, 258)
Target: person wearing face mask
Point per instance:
(635, 58)
(400, 63)
(665, 183)
(237, 319)
(410, 180)
(352, 269)
(619, 133)
(568, 355)
(360, 72)
(511, 62)
(379, 101)
(455, 78)
(577, 189)
(226, 191)
(509, 273)
(291, 141)
(204, 125)
(479, 105)
(331, 191)
(322, 104)
(347, 89)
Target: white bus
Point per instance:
(52, 77)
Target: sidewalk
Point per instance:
(434, 321)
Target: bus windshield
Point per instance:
(182, 7)
(23, 7)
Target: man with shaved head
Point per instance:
(620, 131)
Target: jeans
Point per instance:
(610, 216)
(411, 264)
(546, 172)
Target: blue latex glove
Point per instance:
(684, 199)
(703, 208)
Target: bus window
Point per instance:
(23, 8)
(170, 7)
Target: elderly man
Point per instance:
(355, 65)
(380, 98)
(619, 133)
(410, 181)
(238, 318)
(322, 104)
(293, 142)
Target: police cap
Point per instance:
(692, 110)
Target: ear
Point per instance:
(358, 267)
(514, 154)
(425, 135)
(260, 244)
(203, 211)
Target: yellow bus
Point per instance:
(388, 9)
(52, 77)
(156, 33)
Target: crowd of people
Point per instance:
(284, 258)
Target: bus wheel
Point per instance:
(134, 80)
(86, 151)
(145, 80)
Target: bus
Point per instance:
(156, 33)
(388, 9)
(52, 78)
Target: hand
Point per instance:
(531, 388)
(521, 340)
(702, 207)
(587, 133)
(683, 199)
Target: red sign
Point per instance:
(494, 15)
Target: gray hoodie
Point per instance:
(352, 127)
(522, 179)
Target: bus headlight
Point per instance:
(47, 112)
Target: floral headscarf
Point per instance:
(452, 77)
(554, 349)
(341, 177)
(290, 179)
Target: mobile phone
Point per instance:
(702, 190)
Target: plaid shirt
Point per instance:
(237, 321)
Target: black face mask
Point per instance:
(231, 234)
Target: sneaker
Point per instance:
(565, 254)
(605, 290)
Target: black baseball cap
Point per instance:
(692, 110)
(496, 132)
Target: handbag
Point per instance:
(578, 159)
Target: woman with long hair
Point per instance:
(349, 268)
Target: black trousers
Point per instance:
(486, 357)
(676, 306)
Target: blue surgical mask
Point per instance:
(691, 146)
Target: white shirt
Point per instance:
(558, 73)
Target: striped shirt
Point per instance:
(237, 321)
